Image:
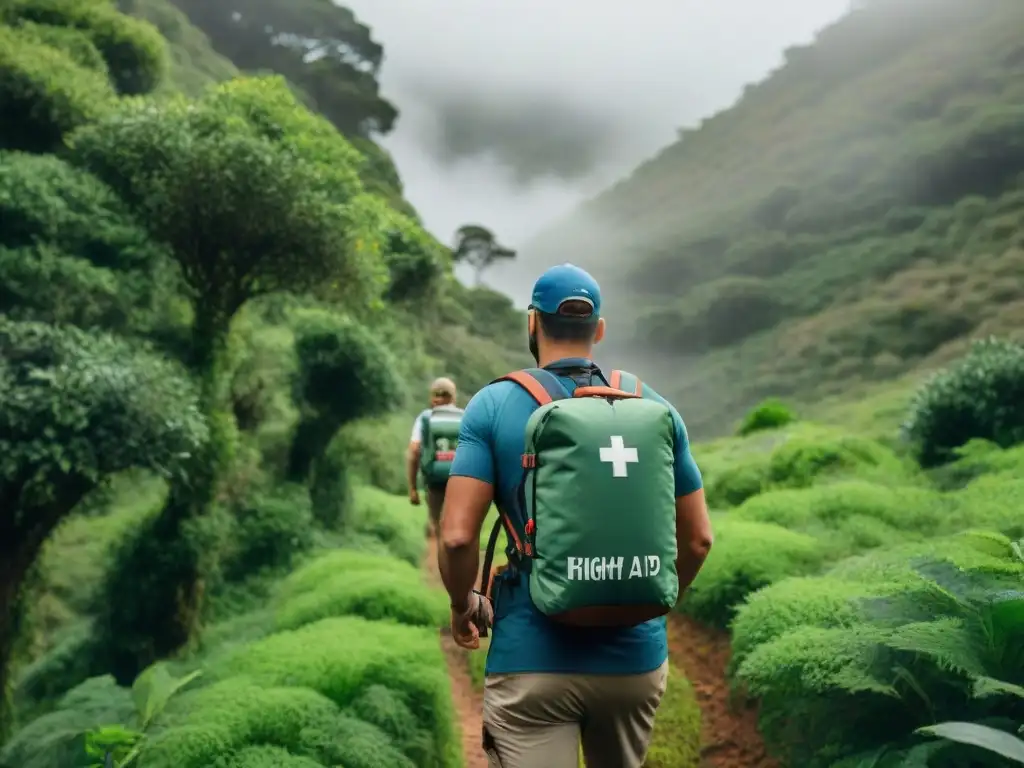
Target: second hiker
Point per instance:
(435, 434)
(604, 511)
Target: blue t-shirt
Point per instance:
(491, 443)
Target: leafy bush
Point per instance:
(387, 519)
(134, 51)
(344, 372)
(340, 658)
(58, 738)
(748, 556)
(981, 396)
(769, 414)
(271, 530)
(851, 516)
(388, 589)
(44, 94)
(69, 250)
(73, 42)
(885, 643)
(801, 461)
(217, 720)
(265, 757)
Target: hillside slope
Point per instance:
(852, 218)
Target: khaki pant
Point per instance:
(540, 720)
(435, 501)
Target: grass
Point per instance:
(342, 664)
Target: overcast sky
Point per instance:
(512, 111)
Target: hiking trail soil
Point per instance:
(467, 701)
(729, 736)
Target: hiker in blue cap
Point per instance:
(606, 525)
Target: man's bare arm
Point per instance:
(466, 502)
(412, 464)
(693, 537)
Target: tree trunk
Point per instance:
(312, 436)
(19, 551)
(154, 592)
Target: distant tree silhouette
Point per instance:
(477, 246)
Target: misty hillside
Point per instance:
(852, 218)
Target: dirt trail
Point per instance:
(729, 736)
(468, 702)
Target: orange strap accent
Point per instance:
(615, 381)
(618, 394)
(530, 384)
(512, 532)
(529, 460)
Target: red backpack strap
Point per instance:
(615, 381)
(543, 386)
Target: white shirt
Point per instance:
(417, 426)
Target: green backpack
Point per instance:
(440, 436)
(597, 513)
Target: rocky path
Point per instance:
(468, 702)
(729, 735)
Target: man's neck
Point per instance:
(561, 352)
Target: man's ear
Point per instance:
(531, 322)
(599, 333)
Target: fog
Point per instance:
(513, 112)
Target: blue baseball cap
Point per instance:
(563, 283)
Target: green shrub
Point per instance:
(823, 602)
(734, 485)
(344, 372)
(355, 744)
(340, 658)
(746, 557)
(801, 461)
(44, 94)
(675, 742)
(844, 662)
(387, 710)
(134, 51)
(270, 531)
(215, 721)
(981, 396)
(389, 589)
(57, 738)
(769, 414)
(265, 757)
(388, 519)
(73, 42)
(851, 516)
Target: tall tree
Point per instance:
(74, 408)
(477, 246)
(252, 194)
(320, 47)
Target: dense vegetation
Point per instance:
(850, 219)
(218, 315)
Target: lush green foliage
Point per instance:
(133, 51)
(770, 414)
(980, 397)
(847, 219)
(44, 93)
